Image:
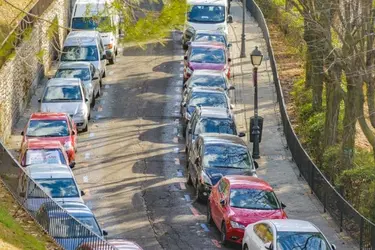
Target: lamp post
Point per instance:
(256, 60)
(243, 53)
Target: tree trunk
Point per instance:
(362, 122)
(371, 101)
(333, 99)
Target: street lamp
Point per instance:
(243, 53)
(256, 60)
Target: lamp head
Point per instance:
(256, 57)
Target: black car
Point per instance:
(215, 155)
(216, 36)
(207, 78)
(210, 120)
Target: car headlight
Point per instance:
(109, 46)
(81, 112)
(237, 225)
(189, 71)
(68, 145)
(205, 179)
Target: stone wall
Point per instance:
(21, 74)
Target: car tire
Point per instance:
(189, 180)
(86, 128)
(185, 47)
(99, 92)
(186, 151)
(223, 235)
(93, 102)
(245, 247)
(199, 195)
(209, 216)
(116, 52)
(112, 60)
(104, 74)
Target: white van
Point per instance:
(85, 46)
(83, 18)
(206, 15)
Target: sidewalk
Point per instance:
(276, 165)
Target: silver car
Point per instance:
(85, 71)
(67, 95)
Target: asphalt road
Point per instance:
(131, 163)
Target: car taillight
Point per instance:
(110, 46)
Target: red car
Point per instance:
(52, 127)
(209, 56)
(237, 201)
(36, 151)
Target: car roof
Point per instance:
(48, 116)
(82, 37)
(207, 90)
(76, 209)
(216, 138)
(211, 45)
(64, 82)
(210, 2)
(214, 112)
(208, 72)
(247, 182)
(69, 65)
(41, 144)
(49, 171)
(291, 225)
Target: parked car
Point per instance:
(284, 235)
(66, 223)
(39, 151)
(207, 78)
(217, 36)
(213, 156)
(210, 120)
(237, 201)
(52, 127)
(212, 56)
(56, 180)
(85, 46)
(118, 244)
(67, 95)
(86, 72)
(98, 15)
(203, 97)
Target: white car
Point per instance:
(57, 180)
(284, 234)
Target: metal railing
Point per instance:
(348, 218)
(67, 231)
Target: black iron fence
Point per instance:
(67, 231)
(349, 219)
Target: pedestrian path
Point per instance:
(276, 165)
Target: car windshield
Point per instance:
(207, 81)
(206, 14)
(226, 155)
(62, 94)
(46, 156)
(211, 125)
(301, 241)
(47, 128)
(100, 24)
(79, 53)
(209, 38)
(206, 99)
(83, 74)
(207, 55)
(253, 199)
(59, 188)
(68, 227)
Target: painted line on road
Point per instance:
(182, 62)
(177, 121)
(179, 173)
(181, 68)
(179, 82)
(205, 228)
(194, 211)
(182, 186)
(107, 86)
(91, 135)
(85, 179)
(87, 155)
(216, 243)
(181, 75)
(187, 197)
(175, 139)
(176, 150)
(176, 161)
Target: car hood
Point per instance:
(215, 174)
(62, 139)
(208, 26)
(74, 242)
(62, 107)
(248, 216)
(33, 204)
(209, 66)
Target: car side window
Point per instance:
(264, 232)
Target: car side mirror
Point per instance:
(82, 193)
(105, 233)
(256, 165)
(231, 106)
(72, 164)
(268, 245)
(229, 45)
(333, 246)
(86, 99)
(104, 57)
(185, 57)
(39, 100)
(283, 205)
(230, 19)
(73, 132)
(222, 202)
(241, 134)
(184, 105)
(232, 87)
(229, 59)
(22, 133)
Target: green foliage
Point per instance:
(53, 29)
(40, 54)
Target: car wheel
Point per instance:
(112, 60)
(223, 235)
(245, 247)
(186, 151)
(99, 91)
(116, 52)
(86, 128)
(104, 74)
(93, 102)
(199, 195)
(189, 180)
(209, 217)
